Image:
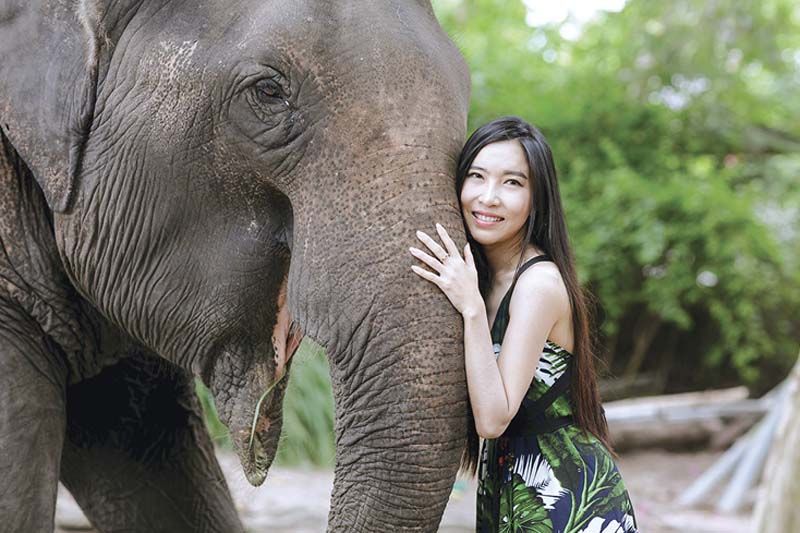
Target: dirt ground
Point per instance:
(297, 500)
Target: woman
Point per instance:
(546, 464)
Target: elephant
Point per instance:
(187, 189)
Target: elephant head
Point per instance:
(227, 176)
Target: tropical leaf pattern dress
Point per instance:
(544, 474)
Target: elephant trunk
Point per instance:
(401, 427)
(394, 341)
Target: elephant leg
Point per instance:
(137, 455)
(32, 422)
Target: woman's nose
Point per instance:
(488, 196)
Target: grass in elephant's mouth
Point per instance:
(254, 425)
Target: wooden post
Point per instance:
(698, 491)
(776, 509)
(746, 473)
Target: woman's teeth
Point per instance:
(487, 218)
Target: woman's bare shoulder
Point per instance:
(543, 285)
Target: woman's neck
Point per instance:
(504, 257)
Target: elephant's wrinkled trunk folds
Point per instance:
(402, 426)
(394, 341)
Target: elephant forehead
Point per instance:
(346, 42)
(173, 59)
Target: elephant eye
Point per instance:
(271, 85)
(268, 95)
(268, 89)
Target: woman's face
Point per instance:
(496, 195)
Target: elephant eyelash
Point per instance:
(272, 84)
(269, 89)
(269, 96)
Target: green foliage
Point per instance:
(678, 143)
(307, 436)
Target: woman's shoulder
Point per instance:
(541, 283)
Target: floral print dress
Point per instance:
(544, 474)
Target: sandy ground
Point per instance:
(297, 500)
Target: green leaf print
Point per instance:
(536, 390)
(560, 407)
(596, 494)
(617, 497)
(488, 487)
(527, 514)
(562, 455)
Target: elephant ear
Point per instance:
(48, 80)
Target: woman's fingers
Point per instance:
(425, 258)
(452, 249)
(421, 272)
(468, 259)
(434, 246)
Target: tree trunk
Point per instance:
(777, 510)
(646, 328)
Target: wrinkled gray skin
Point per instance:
(157, 190)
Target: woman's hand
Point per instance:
(457, 276)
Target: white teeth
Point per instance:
(487, 218)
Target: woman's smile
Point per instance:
(486, 220)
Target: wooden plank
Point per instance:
(710, 479)
(752, 463)
(776, 509)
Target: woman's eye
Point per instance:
(474, 175)
(514, 182)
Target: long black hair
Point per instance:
(546, 230)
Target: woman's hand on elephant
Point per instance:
(457, 277)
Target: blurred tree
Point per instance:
(679, 149)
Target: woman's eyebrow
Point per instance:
(515, 173)
(505, 172)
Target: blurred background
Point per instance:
(676, 131)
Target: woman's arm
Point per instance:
(496, 387)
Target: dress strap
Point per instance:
(525, 266)
(502, 309)
(529, 263)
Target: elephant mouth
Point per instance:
(262, 438)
